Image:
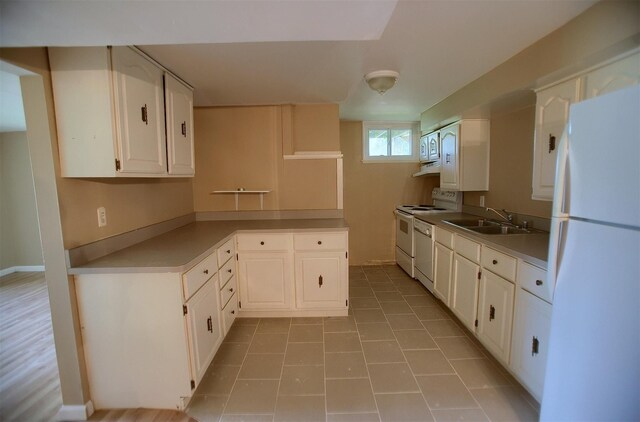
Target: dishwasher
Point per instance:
(423, 233)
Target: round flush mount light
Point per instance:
(381, 80)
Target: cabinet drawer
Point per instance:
(264, 242)
(193, 279)
(227, 271)
(444, 237)
(229, 313)
(319, 241)
(499, 263)
(227, 291)
(468, 248)
(534, 280)
(226, 251)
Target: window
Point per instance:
(389, 142)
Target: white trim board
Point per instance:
(22, 269)
(80, 412)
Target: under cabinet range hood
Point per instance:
(428, 169)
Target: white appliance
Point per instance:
(423, 270)
(593, 367)
(443, 201)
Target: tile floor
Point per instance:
(398, 356)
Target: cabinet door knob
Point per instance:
(492, 313)
(535, 345)
(495, 261)
(552, 143)
(229, 271)
(184, 129)
(206, 271)
(233, 312)
(231, 290)
(210, 325)
(262, 243)
(447, 158)
(145, 117)
(538, 282)
(229, 251)
(320, 281)
(319, 242)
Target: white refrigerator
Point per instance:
(593, 367)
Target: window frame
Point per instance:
(415, 139)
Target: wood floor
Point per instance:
(29, 382)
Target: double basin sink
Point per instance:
(485, 226)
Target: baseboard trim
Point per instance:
(75, 412)
(22, 269)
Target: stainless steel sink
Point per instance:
(491, 227)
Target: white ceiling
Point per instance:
(304, 51)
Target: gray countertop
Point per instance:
(532, 248)
(180, 249)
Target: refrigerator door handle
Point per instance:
(560, 196)
(557, 236)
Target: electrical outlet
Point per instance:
(102, 217)
(482, 200)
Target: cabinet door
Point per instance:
(319, 279)
(530, 341)
(139, 112)
(449, 168)
(265, 280)
(552, 115)
(443, 258)
(205, 333)
(179, 106)
(612, 77)
(495, 314)
(464, 293)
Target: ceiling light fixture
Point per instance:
(381, 80)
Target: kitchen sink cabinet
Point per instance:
(495, 314)
(465, 156)
(147, 337)
(110, 114)
(530, 341)
(443, 259)
(552, 112)
(464, 290)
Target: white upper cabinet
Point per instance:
(552, 113)
(110, 114)
(465, 156)
(179, 105)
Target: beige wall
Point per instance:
(19, 230)
(371, 193)
(308, 135)
(606, 29)
(242, 147)
(511, 165)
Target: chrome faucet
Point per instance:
(507, 216)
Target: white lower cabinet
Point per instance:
(443, 260)
(464, 292)
(531, 341)
(146, 342)
(495, 314)
(265, 280)
(293, 274)
(319, 281)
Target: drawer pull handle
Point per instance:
(145, 117)
(552, 143)
(535, 345)
(319, 242)
(209, 325)
(262, 243)
(538, 282)
(233, 312)
(229, 251)
(184, 129)
(320, 281)
(231, 290)
(495, 261)
(206, 271)
(229, 270)
(492, 313)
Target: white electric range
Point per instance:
(414, 241)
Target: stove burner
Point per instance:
(425, 208)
